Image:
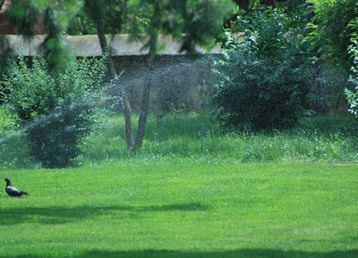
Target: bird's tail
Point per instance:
(24, 193)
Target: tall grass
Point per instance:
(197, 136)
(13, 149)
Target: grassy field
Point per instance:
(192, 191)
(183, 209)
(197, 136)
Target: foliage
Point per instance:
(5, 52)
(327, 95)
(352, 95)
(260, 94)
(270, 33)
(113, 14)
(197, 22)
(330, 31)
(330, 34)
(14, 152)
(262, 81)
(81, 24)
(30, 16)
(201, 21)
(54, 109)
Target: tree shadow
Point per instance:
(240, 253)
(244, 253)
(61, 215)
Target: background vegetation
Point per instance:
(263, 82)
(54, 110)
(270, 171)
(199, 137)
(281, 63)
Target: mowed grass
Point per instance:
(192, 191)
(181, 208)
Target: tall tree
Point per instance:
(331, 31)
(194, 22)
(101, 13)
(54, 16)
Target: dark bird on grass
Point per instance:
(13, 191)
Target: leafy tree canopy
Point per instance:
(197, 21)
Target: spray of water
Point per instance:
(115, 85)
(44, 119)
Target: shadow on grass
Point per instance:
(244, 253)
(61, 215)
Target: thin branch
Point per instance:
(1, 4)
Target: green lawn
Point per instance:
(182, 208)
(192, 191)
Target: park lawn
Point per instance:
(182, 208)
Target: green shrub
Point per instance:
(4, 58)
(54, 109)
(352, 95)
(262, 82)
(330, 35)
(260, 93)
(330, 32)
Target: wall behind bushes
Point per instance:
(179, 83)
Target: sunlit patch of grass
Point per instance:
(182, 208)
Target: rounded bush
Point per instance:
(259, 93)
(54, 109)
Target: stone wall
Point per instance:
(179, 83)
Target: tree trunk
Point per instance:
(104, 46)
(113, 70)
(128, 121)
(142, 120)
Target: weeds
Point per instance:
(198, 137)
